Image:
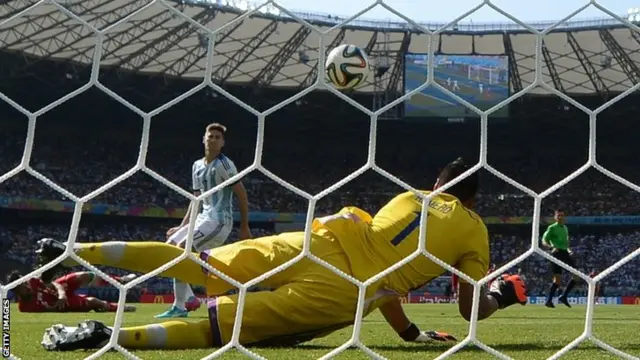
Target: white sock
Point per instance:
(156, 336)
(189, 294)
(180, 290)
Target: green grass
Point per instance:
(530, 332)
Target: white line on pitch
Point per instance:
(437, 98)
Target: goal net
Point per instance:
(483, 74)
(355, 340)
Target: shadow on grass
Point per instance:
(472, 348)
(560, 317)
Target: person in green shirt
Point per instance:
(557, 239)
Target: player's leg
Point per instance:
(219, 232)
(556, 277)
(132, 256)
(213, 234)
(80, 279)
(284, 317)
(82, 303)
(99, 305)
(566, 258)
(242, 261)
(176, 335)
(316, 303)
(178, 238)
(207, 234)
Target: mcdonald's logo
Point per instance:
(637, 302)
(158, 299)
(404, 299)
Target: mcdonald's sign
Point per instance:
(637, 302)
(155, 299)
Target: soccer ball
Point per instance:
(347, 66)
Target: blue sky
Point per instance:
(442, 11)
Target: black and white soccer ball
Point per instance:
(347, 67)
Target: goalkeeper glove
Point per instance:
(413, 334)
(508, 290)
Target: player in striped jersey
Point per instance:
(215, 220)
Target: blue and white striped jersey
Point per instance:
(218, 206)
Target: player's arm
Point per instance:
(62, 294)
(394, 314)
(547, 237)
(229, 171)
(59, 288)
(488, 304)
(187, 216)
(503, 292)
(77, 280)
(243, 204)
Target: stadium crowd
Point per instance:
(81, 157)
(17, 244)
(96, 156)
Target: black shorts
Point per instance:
(562, 255)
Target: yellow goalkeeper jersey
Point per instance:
(455, 235)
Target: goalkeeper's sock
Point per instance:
(570, 286)
(141, 257)
(170, 335)
(552, 292)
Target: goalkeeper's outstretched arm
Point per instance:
(503, 292)
(408, 331)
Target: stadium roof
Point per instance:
(269, 49)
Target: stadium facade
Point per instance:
(592, 58)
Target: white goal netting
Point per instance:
(355, 340)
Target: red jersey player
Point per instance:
(454, 281)
(598, 292)
(59, 295)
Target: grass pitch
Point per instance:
(530, 332)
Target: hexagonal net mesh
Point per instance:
(354, 341)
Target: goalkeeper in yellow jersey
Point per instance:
(309, 300)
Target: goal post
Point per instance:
(483, 74)
(354, 340)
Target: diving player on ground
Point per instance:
(309, 300)
(557, 238)
(60, 295)
(215, 220)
